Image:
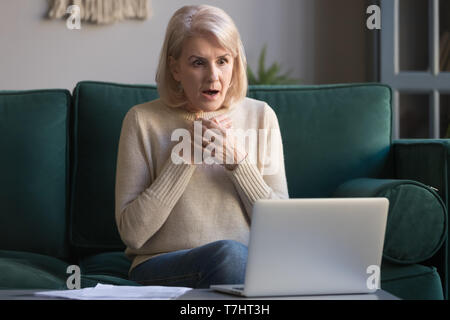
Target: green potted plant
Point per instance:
(270, 76)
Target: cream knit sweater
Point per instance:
(161, 206)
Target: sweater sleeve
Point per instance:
(142, 204)
(265, 179)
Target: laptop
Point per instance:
(314, 247)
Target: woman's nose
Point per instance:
(213, 74)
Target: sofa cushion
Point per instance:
(99, 109)
(331, 133)
(25, 270)
(412, 281)
(417, 219)
(114, 264)
(34, 170)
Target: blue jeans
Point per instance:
(220, 262)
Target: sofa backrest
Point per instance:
(98, 111)
(331, 134)
(34, 171)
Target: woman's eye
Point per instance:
(197, 63)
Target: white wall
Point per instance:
(39, 53)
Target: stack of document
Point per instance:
(111, 292)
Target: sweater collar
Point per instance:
(188, 115)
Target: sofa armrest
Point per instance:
(417, 218)
(424, 160)
(427, 161)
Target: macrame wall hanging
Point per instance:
(102, 11)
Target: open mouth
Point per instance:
(211, 95)
(211, 92)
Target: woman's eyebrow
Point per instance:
(199, 57)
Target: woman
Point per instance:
(185, 221)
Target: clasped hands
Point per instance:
(218, 141)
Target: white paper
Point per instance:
(112, 292)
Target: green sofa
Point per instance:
(57, 175)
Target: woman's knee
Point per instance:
(230, 251)
(227, 263)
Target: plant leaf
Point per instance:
(272, 72)
(270, 76)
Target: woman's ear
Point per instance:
(174, 68)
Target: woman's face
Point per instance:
(205, 70)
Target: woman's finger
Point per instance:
(223, 126)
(209, 123)
(222, 119)
(213, 123)
(227, 123)
(217, 130)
